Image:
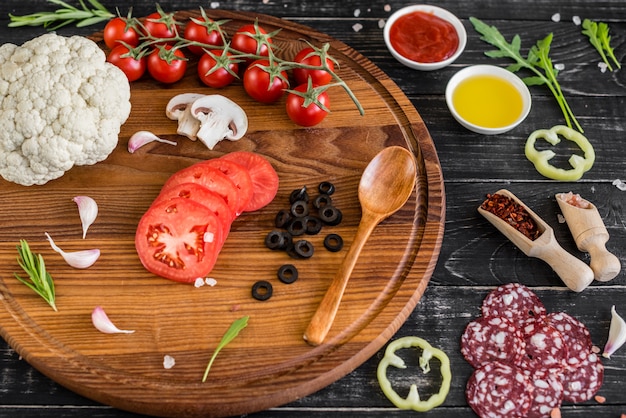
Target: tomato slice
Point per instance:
(264, 177)
(205, 197)
(178, 239)
(211, 178)
(238, 174)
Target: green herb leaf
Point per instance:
(230, 335)
(64, 15)
(538, 61)
(39, 280)
(598, 33)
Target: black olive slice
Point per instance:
(283, 217)
(301, 249)
(262, 290)
(333, 242)
(322, 200)
(326, 187)
(287, 273)
(299, 208)
(299, 194)
(330, 215)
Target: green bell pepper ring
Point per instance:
(540, 159)
(413, 401)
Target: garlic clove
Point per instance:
(87, 210)
(103, 324)
(141, 138)
(617, 334)
(77, 259)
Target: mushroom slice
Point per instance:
(220, 118)
(179, 108)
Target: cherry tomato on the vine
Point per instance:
(161, 25)
(217, 75)
(133, 67)
(162, 70)
(250, 41)
(310, 115)
(117, 30)
(202, 31)
(263, 86)
(319, 77)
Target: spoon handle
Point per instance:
(325, 315)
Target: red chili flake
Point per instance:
(513, 213)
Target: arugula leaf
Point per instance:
(598, 33)
(538, 62)
(230, 335)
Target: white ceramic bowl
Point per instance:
(437, 11)
(490, 70)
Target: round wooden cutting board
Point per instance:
(269, 363)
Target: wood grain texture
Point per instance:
(274, 364)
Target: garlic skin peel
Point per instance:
(617, 334)
(77, 259)
(101, 321)
(87, 210)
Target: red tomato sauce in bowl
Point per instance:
(423, 37)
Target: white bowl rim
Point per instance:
(488, 69)
(439, 12)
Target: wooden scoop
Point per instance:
(590, 235)
(385, 186)
(575, 274)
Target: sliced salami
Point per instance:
(513, 301)
(547, 393)
(499, 390)
(487, 339)
(582, 382)
(545, 348)
(575, 334)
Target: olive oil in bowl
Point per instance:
(487, 99)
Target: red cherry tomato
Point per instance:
(214, 75)
(260, 85)
(264, 177)
(117, 30)
(246, 40)
(132, 67)
(203, 33)
(306, 116)
(161, 25)
(178, 239)
(319, 77)
(163, 71)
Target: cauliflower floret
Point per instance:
(61, 105)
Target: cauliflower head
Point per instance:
(61, 105)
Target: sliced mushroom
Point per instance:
(179, 108)
(220, 118)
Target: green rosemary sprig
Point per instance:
(65, 15)
(39, 280)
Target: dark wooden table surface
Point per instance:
(474, 257)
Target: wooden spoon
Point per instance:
(575, 274)
(385, 186)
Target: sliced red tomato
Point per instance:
(211, 178)
(264, 177)
(205, 197)
(178, 239)
(239, 175)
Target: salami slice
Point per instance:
(513, 301)
(493, 338)
(575, 334)
(499, 390)
(545, 348)
(582, 382)
(547, 393)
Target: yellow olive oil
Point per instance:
(488, 101)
